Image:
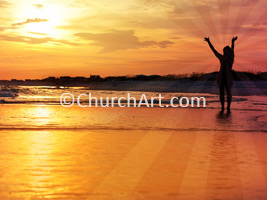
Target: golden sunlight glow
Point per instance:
(52, 13)
(42, 114)
(44, 28)
(39, 156)
(77, 38)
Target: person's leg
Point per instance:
(222, 96)
(229, 97)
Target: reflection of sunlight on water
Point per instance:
(42, 115)
(27, 164)
(42, 111)
(40, 147)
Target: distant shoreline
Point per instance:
(96, 79)
(245, 84)
(240, 88)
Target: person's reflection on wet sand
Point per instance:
(224, 119)
(224, 178)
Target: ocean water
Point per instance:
(51, 94)
(39, 107)
(51, 152)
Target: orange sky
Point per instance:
(41, 38)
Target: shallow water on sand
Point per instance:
(133, 165)
(47, 151)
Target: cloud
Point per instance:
(6, 28)
(36, 20)
(175, 38)
(120, 40)
(39, 6)
(4, 4)
(32, 40)
(255, 27)
(35, 33)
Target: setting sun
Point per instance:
(49, 16)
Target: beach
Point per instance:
(52, 152)
(123, 100)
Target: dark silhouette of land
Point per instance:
(245, 83)
(83, 81)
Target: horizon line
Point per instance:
(131, 75)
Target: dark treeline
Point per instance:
(67, 80)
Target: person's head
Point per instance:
(227, 51)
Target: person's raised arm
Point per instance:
(218, 55)
(233, 42)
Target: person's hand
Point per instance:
(207, 39)
(234, 38)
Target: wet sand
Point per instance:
(132, 153)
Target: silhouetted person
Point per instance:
(224, 77)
